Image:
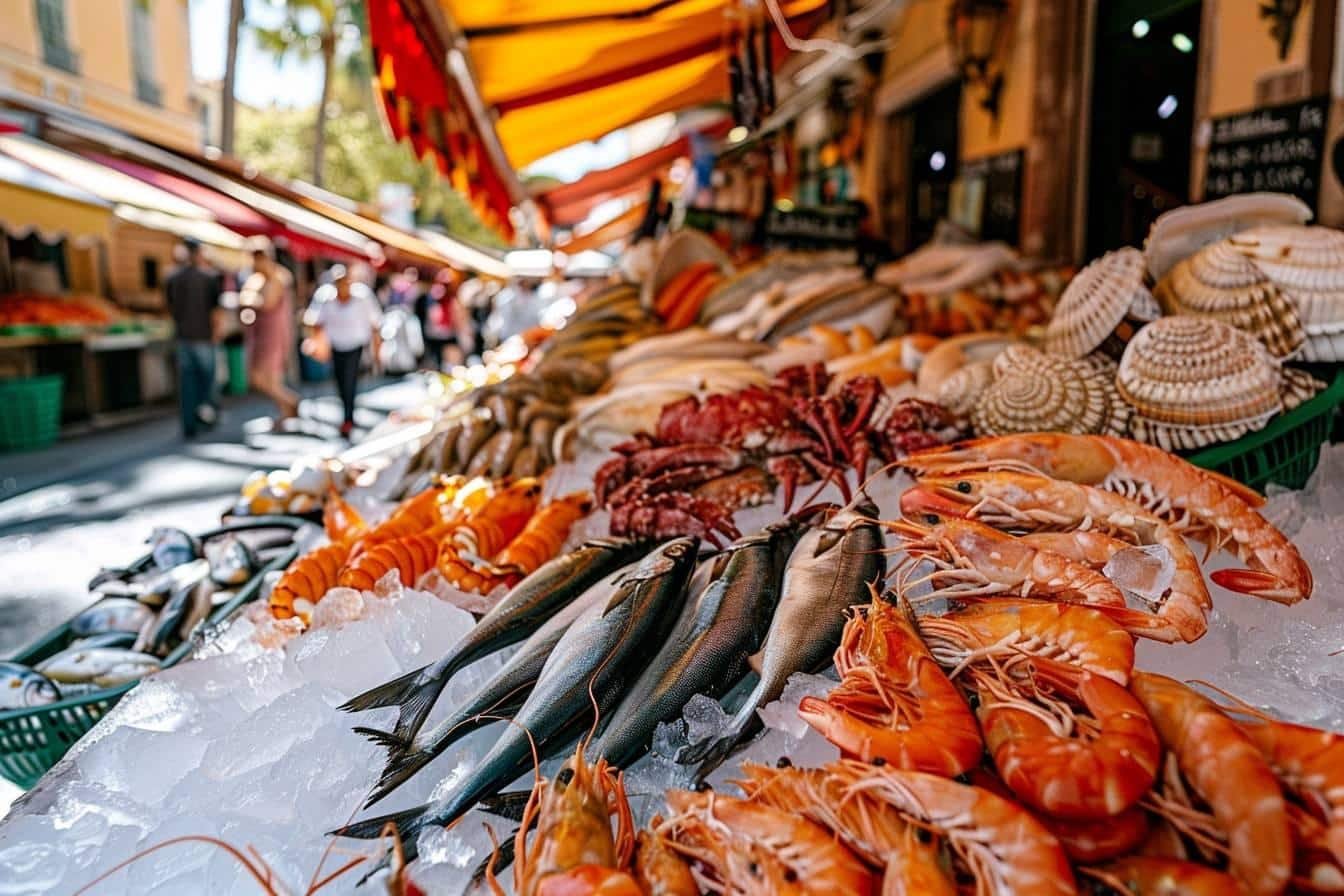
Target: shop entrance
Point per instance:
(1146, 64)
(931, 128)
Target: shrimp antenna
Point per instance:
(261, 875)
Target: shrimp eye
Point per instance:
(964, 487)
(923, 835)
(931, 519)
(753, 869)
(790, 875)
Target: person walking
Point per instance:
(267, 310)
(192, 292)
(345, 315)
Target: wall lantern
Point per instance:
(977, 30)
(1282, 15)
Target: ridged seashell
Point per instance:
(1183, 231)
(1299, 386)
(1195, 380)
(950, 355)
(1036, 392)
(1221, 282)
(960, 391)
(1307, 265)
(1097, 301)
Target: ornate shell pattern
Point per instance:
(960, 391)
(1197, 380)
(1221, 282)
(1098, 301)
(1307, 265)
(1035, 392)
(1183, 231)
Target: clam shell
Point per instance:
(1197, 380)
(1222, 282)
(960, 391)
(1307, 265)
(1183, 231)
(1036, 392)
(1097, 301)
(951, 355)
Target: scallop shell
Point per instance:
(1182, 232)
(1197, 380)
(1307, 265)
(1097, 301)
(1036, 392)
(960, 391)
(951, 355)
(1221, 282)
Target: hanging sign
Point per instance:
(1278, 149)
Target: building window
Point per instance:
(149, 272)
(51, 25)
(147, 88)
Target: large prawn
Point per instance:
(893, 702)
(1201, 504)
(1227, 772)
(972, 559)
(1025, 502)
(307, 580)
(411, 556)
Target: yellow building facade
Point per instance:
(124, 62)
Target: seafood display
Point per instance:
(301, 489)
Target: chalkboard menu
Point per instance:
(1278, 149)
(992, 201)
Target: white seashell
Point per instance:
(1097, 301)
(1183, 231)
(960, 391)
(1036, 392)
(950, 355)
(1307, 265)
(1196, 380)
(1221, 282)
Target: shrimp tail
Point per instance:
(1257, 583)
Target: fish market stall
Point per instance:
(707, 587)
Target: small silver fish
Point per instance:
(172, 547)
(113, 614)
(97, 663)
(106, 639)
(232, 562)
(21, 687)
(158, 588)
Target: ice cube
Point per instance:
(422, 628)
(782, 714)
(449, 857)
(31, 867)
(1146, 570)
(173, 869)
(271, 733)
(350, 659)
(389, 586)
(705, 719)
(337, 607)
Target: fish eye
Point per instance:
(964, 487)
(931, 518)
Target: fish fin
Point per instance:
(390, 693)
(401, 766)
(507, 805)
(502, 858)
(408, 823)
(708, 755)
(385, 739)
(754, 661)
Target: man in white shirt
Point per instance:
(346, 315)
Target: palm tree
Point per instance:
(228, 100)
(311, 30)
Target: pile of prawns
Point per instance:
(477, 534)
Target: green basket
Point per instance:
(34, 739)
(1285, 451)
(30, 412)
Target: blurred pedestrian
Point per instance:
(267, 311)
(441, 322)
(345, 315)
(193, 291)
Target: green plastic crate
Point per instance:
(34, 739)
(30, 412)
(1285, 451)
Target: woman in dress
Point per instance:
(269, 295)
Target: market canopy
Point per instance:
(525, 78)
(32, 201)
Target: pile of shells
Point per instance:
(1026, 390)
(1195, 380)
(1183, 231)
(1102, 307)
(1306, 265)
(1221, 282)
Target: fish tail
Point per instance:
(389, 693)
(408, 823)
(385, 739)
(401, 767)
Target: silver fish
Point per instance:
(113, 614)
(97, 663)
(172, 547)
(232, 562)
(21, 687)
(106, 639)
(158, 589)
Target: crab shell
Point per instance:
(1196, 380)
(1307, 266)
(1098, 302)
(1036, 392)
(1220, 281)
